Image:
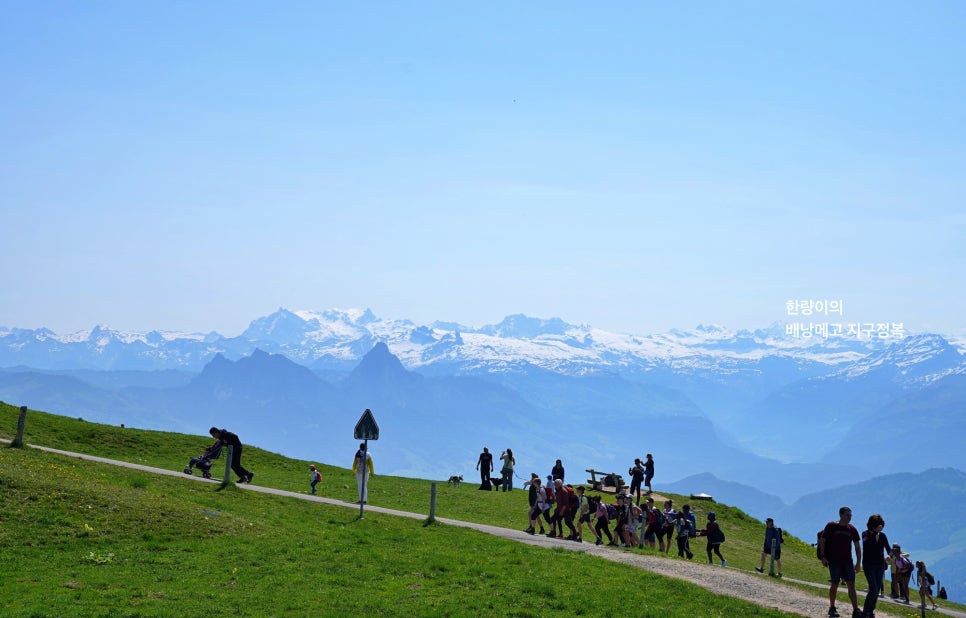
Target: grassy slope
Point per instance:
(82, 538)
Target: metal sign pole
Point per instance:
(365, 477)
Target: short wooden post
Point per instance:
(21, 422)
(774, 550)
(228, 466)
(432, 502)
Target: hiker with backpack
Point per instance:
(683, 530)
(632, 521)
(314, 477)
(637, 478)
(667, 528)
(924, 581)
(654, 524)
(712, 531)
(875, 553)
(566, 501)
(835, 550)
(901, 572)
(773, 538)
(601, 526)
(538, 506)
(586, 508)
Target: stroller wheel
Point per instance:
(207, 475)
(187, 470)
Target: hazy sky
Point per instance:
(634, 166)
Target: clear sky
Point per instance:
(636, 166)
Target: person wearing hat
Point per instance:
(712, 531)
(773, 537)
(901, 572)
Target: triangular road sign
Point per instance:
(366, 428)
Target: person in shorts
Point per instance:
(835, 547)
(773, 536)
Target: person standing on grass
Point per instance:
(227, 438)
(835, 547)
(507, 470)
(558, 471)
(315, 477)
(648, 472)
(485, 465)
(773, 536)
(875, 552)
(637, 477)
(362, 468)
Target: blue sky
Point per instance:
(634, 166)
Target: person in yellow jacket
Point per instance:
(362, 468)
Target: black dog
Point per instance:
(455, 480)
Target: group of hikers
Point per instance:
(560, 504)
(873, 555)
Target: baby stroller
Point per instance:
(203, 461)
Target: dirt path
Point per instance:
(746, 585)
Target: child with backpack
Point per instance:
(601, 526)
(315, 478)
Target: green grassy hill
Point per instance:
(87, 539)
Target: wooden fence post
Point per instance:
(228, 466)
(21, 422)
(432, 503)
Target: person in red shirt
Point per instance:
(835, 546)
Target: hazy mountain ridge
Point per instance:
(333, 336)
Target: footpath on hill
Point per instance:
(746, 585)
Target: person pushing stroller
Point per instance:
(203, 461)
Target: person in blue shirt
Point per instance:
(773, 536)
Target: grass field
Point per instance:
(86, 539)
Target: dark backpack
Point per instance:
(818, 544)
(611, 512)
(659, 517)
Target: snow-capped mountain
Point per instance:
(337, 339)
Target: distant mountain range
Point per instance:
(765, 417)
(770, 410)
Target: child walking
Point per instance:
(315, 478)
